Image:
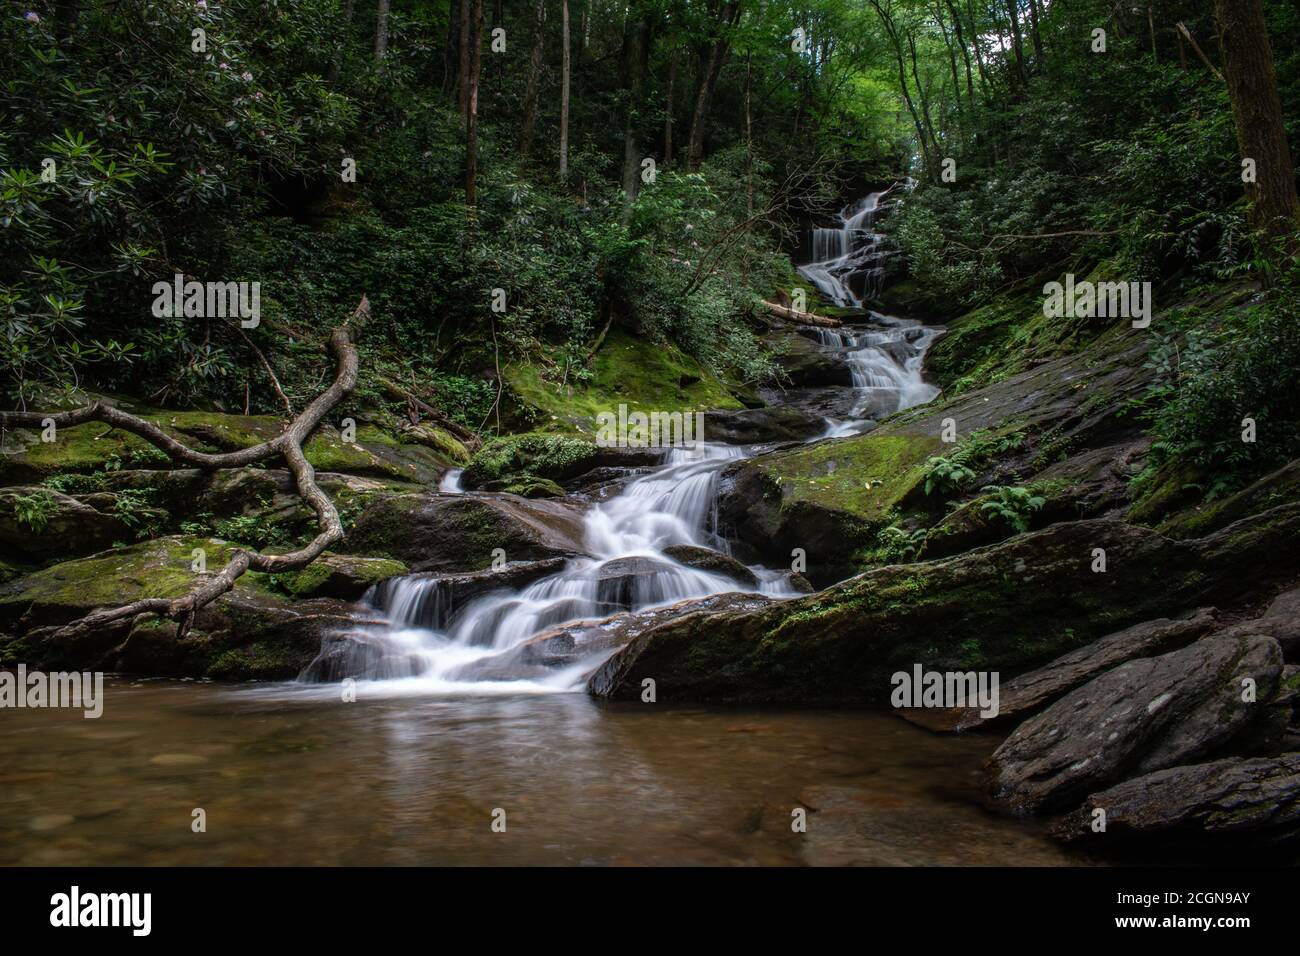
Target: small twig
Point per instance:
(1182, 28)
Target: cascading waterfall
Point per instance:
(429, 644)
(448, 648)
(848, 257)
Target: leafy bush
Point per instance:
(1015, 506)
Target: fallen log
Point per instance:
(803, 318)
(467, 436)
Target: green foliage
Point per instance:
(34, 510)
(1218, 372)
(252, 530)
(945, 476)
(1013, 505)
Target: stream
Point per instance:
(445, 730)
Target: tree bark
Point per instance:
(668, 108)
(534, 79)
(1261, 135)
(727, 17)
(636, 52)
(381, 29)
(471, 106)
(564, 89)
(462, 74)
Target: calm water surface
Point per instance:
(290, 774)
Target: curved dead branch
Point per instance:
(287, 445)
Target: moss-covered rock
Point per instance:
(514, 458)
(37, 524)
(1005, 608)
(627, 370)
(343, 576)
(455, 533)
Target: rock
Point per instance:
(1281, 622)
(805, 362)
(1225, 801)
(1147, 714)
(753, 426)
(251, 632)
(509, 459)
(458, 533)
(342, 576)
(828, 499)
(706, 559)
(451, 592)
(1008, 608)
(1028, 693)
(38, 524)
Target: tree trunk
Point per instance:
(1261, 135)
(381, 29)
(462, 74)
(668, 109)
(449, 47)
(728, 16)
(534, 79)
(1016, 45)
(636, 44)
(336, 61)
(1037, 34)
(471, 109)
(564, 89)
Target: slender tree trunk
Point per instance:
(729, 14)
(336, 61)
(471, 109)
(1016, 45)
(668, 108)
(381, 29)
(636, 43)
(1036, 33)
(534, 79)
(449, 47)
(1257, 111)
(564, 89)
(462, 81)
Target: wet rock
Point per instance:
(1281, 621)
(705, 559)
(1232, 800)
(1029, 693)
(1145, 715)
(568, 644)
(458, 533)
(343, 576)
(1007, 608)
(754, 426)
(804, 362)
(448, 593)
(38, 523)
(512, 458)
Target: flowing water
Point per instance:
(442, 731)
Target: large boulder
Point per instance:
(706, 559)
(1031, 692)
(251, 632)
(38, 523)
(458, 533)
(804, 362)
(753, 426)
(1234, 801)
(344, 576)
(1006, 608)
(1145, 715)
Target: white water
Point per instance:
(430, 646)
(848, 254)
(450, 484)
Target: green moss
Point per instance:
(260, 660)
(645, 376)
(530, 456)
(868, 475)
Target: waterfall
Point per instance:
(431, 643)
(848, 255)
(448, 648)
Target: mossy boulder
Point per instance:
(828, 499)
(37, 524)
(1007, 608)
(534, 456)
(627, 370)
(344, 576)
(457, 533)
